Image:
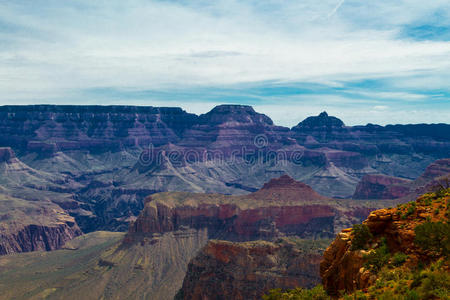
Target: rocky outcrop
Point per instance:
(377, 186)
(382, 187)
(236, 131)
(434, 171)
(33, 225)
(241, 267)
(328, 131)
(226, 270)
(322, 121)
(38, 238)
(283, 207)
(342, 267)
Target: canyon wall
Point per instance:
(241, 271)
(99, 163)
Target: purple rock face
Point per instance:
(37, 238)
(110, 157)
(382, 187)
(234, 113)
(90, 127)
(322, 121)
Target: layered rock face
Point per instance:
(342, 266)
(29, 221)
(386, 187)
(283, 207)
(228, 126)
(29, 226)
(384, 147)
(435, 171)
(226, 270)
(279, 213)
(50, 127)
(382, 187)
(38, 238)
(100, 162)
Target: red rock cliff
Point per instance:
(282, 207)
(244, 271)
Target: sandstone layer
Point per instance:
(283, 207)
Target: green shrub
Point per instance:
(361, 236)
(433, 236)
(434, 284)
(443, 188)
(412, 295)
(411, 210)
(427, 201)
(399, 258)
(375, 260)
(316, 293)
(358, 295)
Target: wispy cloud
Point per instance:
(257, 52)
(333, 12)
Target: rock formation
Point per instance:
(38, 237)
(241, 271)
(283, 207)
(387, 187)
(382, 187)
(107, 159)
(280, 212)
(29, 226)
(343, 267)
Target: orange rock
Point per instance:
(342, 269)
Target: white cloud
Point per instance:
(59, 49)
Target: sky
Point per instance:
(383, 62)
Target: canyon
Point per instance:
(394, 256)
(227, 189)
(99, 163)
(282, 207)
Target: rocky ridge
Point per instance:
(387, 187)
(283, 207)
(29, 226)
(107, 159)
(382, 187)
(30, 217)
(346, 267)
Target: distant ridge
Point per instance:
(111, 157)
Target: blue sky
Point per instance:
(379, 62)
